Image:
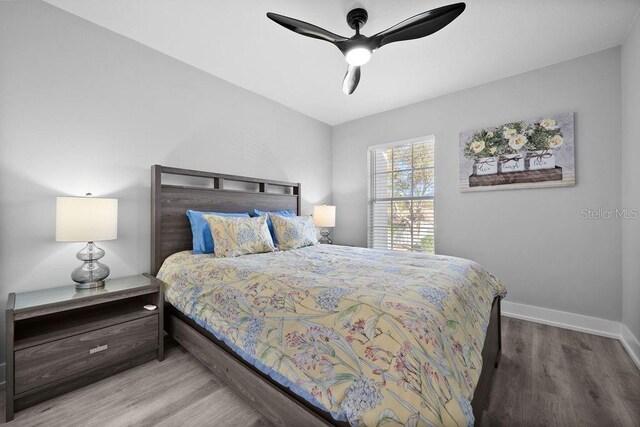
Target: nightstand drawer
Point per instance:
(43, 364)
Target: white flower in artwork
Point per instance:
(493, 150)
(489, 134)
(516, 142)
(477, 146)
(556, 141)
(548, 124)
(529, 132)
(509, 133)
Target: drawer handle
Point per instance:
(98, 349)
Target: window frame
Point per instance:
(371, 185)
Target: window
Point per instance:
(401, 184)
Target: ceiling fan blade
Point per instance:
(305, 28)
(420, 25)
(351, 80)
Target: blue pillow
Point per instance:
(202, 239)
(286, 212)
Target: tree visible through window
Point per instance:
(401, 190)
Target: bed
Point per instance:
(325, 335)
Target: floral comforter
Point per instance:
(373, 337)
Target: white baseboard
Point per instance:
(562, 319)
(576, 322)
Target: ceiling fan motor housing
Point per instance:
(356, 18)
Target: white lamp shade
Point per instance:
(86, 219)
(324, 216)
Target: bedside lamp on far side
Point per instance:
(87, 219)
(325, 217)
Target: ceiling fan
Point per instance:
(358, 49)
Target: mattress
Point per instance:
(372, 337)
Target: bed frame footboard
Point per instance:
(491, 352)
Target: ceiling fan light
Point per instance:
(358, 56)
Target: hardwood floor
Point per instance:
(178, 391)
(547, 377)
(555, 377)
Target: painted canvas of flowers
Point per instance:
(525, 153)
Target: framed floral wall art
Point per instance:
(522, 154)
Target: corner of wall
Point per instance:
(629, 179)
(630, 343)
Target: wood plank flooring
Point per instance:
(556, 377)
(178, 391)
(547, 377)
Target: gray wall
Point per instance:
(631, 178)
(84, 109)
(534, 240)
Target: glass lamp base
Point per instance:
(325, 237)
(91, 273)
(90, 285)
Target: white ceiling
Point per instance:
(235, 41)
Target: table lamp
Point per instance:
(324, 216)
(87, 219)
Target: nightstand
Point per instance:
(60, 339)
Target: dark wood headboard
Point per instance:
(215, 192)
